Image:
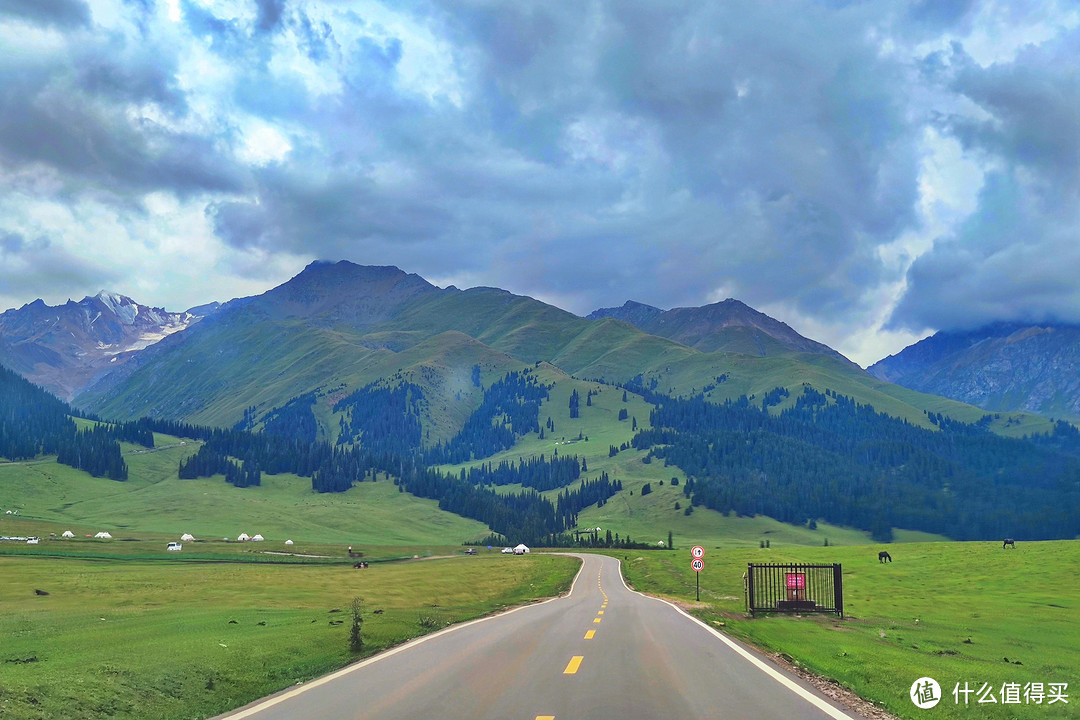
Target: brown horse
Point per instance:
(1009, 542)
(884, 557)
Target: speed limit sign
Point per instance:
(697, 552)
(698, 564)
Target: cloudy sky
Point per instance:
(868, 172)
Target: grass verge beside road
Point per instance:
(957, 612)
(136, 639)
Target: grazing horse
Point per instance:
(884, 557)
(1009, 542)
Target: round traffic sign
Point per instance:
(697, 564)
(697, 551)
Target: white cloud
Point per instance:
(263, 143)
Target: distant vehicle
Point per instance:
(175, 547)
(32, 541)
(508, 551)
(470, 551)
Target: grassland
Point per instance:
(950, 611)
(154, 500)
(648, 518)
(173, 639)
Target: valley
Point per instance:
(364, 408)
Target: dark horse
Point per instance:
(1009, 542)
(884, 557)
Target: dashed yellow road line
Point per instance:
(590, 635)
(601, 612)
(545, 717)
(575, 663)
(596, 620)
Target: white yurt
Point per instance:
(521, 549)
(243, 537)
(67, 534)
(288, 542)
(187, 537)
(257, 538)
(103, 535)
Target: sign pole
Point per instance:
(697, 553)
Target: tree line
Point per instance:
(831, 458)
(537, 473)
(33, 422)
(510, 409)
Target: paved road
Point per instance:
(602, 653)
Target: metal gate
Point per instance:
(795, 588)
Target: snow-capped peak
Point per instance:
(120, 305)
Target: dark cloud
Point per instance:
(46, 270)
(1034, 112)
(95, 143)
(1012, 260)
(58, 13)
(11, 242)
(269, 14)
(592, 152)
(941, 13)
(1018, 255)
(788, 141)
(73, 114)
(316, 37)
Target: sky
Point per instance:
(868, 172)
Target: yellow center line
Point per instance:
(590, 635)
(572, 667)
(600, 613)
(545, 717)
(597, 620)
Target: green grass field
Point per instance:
(154, 500)
(950, 611)
(648, 518)
(171, 639)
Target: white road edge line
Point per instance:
(288, 695)
(772, 672)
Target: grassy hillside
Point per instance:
(329, 331)
(647, 518)
(950, 611)
(154, 500)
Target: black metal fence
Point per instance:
(795, 588)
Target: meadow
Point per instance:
(648, 518)
(957, 612)
(166, 639)
(155, 500)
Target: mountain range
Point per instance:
(1001, 367)
(67, 347)
(729, 326)
(336, 327)
(347, 370)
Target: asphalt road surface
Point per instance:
(603, 652)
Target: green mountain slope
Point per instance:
(337, 327)
(729, 326)
(153, 499)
